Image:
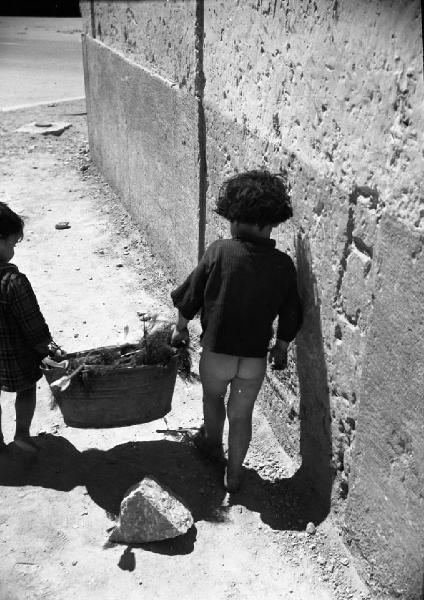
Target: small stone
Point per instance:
(150, 512)
(62, 225)
(321, 560)
(344, 561)
(310, 528)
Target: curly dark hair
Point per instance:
(256, 197)
(10, 222)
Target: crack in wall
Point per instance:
(354, 241)
(92, 20)
(199, 91)
(350, 226)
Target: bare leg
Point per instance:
(242, 399)
(25, 407)
(215, 375)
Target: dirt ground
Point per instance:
(56, 513)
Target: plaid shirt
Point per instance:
(22, 327)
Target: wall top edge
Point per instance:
(90, 40)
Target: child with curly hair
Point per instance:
(240, 286)
(24, 336)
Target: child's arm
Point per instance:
(180, 335)
(188, 299)
(27, 313)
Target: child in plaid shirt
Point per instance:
(24, 335)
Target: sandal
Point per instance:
(26, 444)
(211, 451)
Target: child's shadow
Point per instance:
(283, 504)
(107, 475)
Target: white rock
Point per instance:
(150, 512)
(310, 528)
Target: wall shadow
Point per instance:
(293, 502)
(316, 471)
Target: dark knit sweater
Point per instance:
(240, 286)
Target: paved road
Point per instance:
(40, 60)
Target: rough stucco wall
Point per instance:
(339, 84)
(333, 93)
(156, 34)
(390, 434)
(142, 126)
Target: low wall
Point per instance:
(143, 136)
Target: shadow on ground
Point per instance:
(107, 475)
(283, 504)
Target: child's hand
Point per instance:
(278, 355)
(180, 338)
(55, 351)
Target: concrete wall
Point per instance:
(143, 117)
(332, 92)
(387, 490)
